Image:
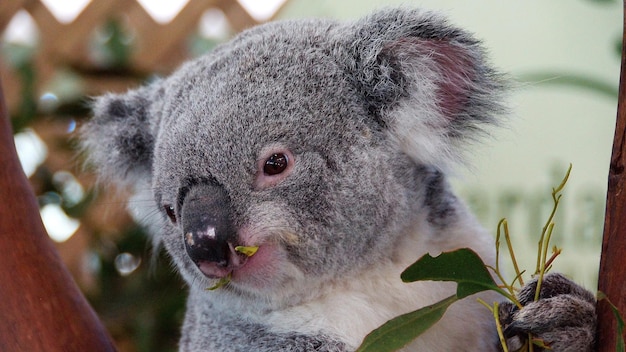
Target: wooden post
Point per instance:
(612, 278)
(41, 308)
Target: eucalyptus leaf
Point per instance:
(462, 266)
(400, 331)
(619, 343)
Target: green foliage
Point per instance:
(543, 263)
(398, 332)
(465, 267)
(462, 266)
(115, 49)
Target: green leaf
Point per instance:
(399, 331)
(462, 266)
(221, 283)
(619, 344)
(248, 251)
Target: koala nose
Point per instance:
(207, 230)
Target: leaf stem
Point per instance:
(546, 234)
(496, 317)
(481, 301)
(555, 253)
(507, 237)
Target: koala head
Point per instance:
(311, 140)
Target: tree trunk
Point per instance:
(41, 308)
(612, 278)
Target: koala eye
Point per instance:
(171, 212)
(277, 163)
(273, 166)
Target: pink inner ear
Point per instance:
(457, 73)
(453, 65)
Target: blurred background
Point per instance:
(564, 56)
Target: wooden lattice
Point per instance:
(157, 47)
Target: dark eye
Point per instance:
(171, 212)
(275, 164)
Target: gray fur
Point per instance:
(240, 336)
(121, 135)
(370, 115)
(564, 316)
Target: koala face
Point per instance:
(310, 140)
(251, 156)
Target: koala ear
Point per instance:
(427, 83)
(119, 139)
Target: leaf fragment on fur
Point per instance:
(248, 251)
(221, 283)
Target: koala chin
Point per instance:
(327, 146)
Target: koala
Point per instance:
(326, 147)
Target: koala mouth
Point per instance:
(215, 270)
(215, 259)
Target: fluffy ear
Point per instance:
(119, 139)
(427, 83)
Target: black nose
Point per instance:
(203, 246)
(207, 229)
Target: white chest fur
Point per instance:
(350, 309)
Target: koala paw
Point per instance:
(564, 317)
